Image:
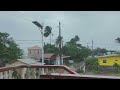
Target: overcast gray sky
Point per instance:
(101, 26)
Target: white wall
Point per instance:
(58, 61)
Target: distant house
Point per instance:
(65, 60)
(24, 62)
(53, 59)
(49, 58)
(18, 62)
(35, 53)
(109, 60)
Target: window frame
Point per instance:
(104, 61)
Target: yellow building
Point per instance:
(109, 60)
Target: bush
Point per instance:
(116, 68)
(92, 65)
(80, 71)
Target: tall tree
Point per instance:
(118, 39)
(76, 51)
(59, 38)
(9, 50)
(48, 48)
(47, 31)
(99, 51)
(76, 38)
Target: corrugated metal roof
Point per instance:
(30, 61)
(108, 55)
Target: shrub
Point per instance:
(116, 68)
(92, 65)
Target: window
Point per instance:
(30, 52)
(104, 61)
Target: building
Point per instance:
(66, 60)
(35, 53)
(24, 62)
(109, 60)
(49, 58)
(19, 62)
(53, 59)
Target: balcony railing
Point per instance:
(32, 72)
(50, 72)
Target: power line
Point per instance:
(29, 43)
(32, 40)
(55, 40)
(87, 42)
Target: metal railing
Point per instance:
(33, 71)
(50, 72)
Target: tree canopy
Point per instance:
(47, 31)
(118, 39)
(76, 50)
(48, 48)
(71, 48)
(9, 50)
(99, 51)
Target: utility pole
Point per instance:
(42, 36)
(87, 45)
(50, 39)
(60, 54)
(62, 44)
(92, 48)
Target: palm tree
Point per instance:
(47, 31)
(77, 39)
(58, 40)
(118, 40)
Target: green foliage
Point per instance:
(116, 68)
(99, 51)
(9, 50)
(92, 65)
(47, 31)
(58, 40)
(48, 48)
(80, 71)
(118, 39)
(75, 50)
(117, 52)
(72, 48)
(76, 38)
